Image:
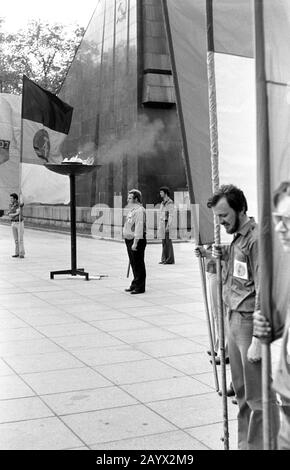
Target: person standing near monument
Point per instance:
(17, 224)
(134, 232)
(241, 295)
(165, 222)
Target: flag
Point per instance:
(273, 137)
(233, 25)
(186, 25)
(10, 138)
(45, 123)
(4, 150)
(9, 124)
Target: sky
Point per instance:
(17, 13)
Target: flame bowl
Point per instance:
(71, 168)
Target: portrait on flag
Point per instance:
(45, 124)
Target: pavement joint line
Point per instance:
(147, 435)
(60, 416)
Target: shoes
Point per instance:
(21, 256)
(15, 256)
(133, 292)
(168, 263)
(209, 353)
(234, 401)
(161, 262)
(230, 392)
(218, 361)
(129, 289)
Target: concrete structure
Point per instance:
(121, 87)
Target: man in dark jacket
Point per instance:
(165, 222)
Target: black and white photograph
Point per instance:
(145, 229)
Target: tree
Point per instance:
(42, 51)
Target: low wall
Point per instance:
(102, 222)
(57, 217)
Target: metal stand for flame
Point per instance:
(72, 170)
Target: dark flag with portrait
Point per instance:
(45, 124)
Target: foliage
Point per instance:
(42, 51)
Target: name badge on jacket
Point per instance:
(241, 270)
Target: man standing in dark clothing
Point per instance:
(166, 218)
(134, 232)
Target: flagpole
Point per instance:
(20, 168)
(264, 196)
(210, 336)
(215, 186)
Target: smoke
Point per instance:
(145, 138)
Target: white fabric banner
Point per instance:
(10, 131)
(40, 185)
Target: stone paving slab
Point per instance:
(163, 441)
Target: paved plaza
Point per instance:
(84, 365)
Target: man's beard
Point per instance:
(236, 225)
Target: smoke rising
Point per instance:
(145, 138)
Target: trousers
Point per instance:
(213, 301)
(18, 232)
(167, 250)
(284, 432)
(137, 264)
(247, 383)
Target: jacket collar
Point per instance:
(245, 229)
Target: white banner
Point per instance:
(10, 132)
(40, 185)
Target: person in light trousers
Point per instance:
(17, 224)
